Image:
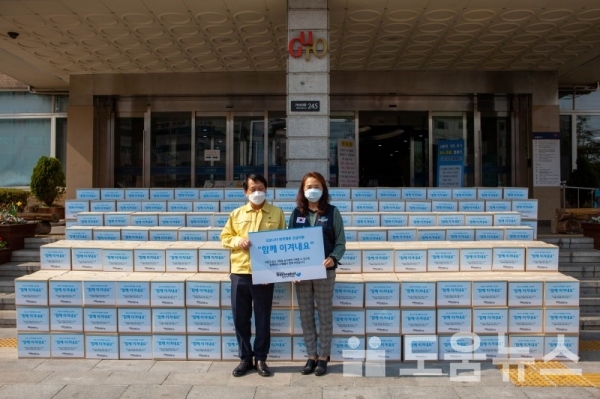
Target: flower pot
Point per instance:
(592, 230)
(57, 212)
(5, 255)
(15, 234)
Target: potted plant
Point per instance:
(591, 228)
(47, 184)
(14, 229)
(5, 252)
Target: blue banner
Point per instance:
(450, 163)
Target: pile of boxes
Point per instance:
(142, 277)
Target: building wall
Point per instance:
(8, 83)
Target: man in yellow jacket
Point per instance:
(256, 215)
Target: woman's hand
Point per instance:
(329, 262)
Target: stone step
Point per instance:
(589, 322)
(7, 285)
(575, 242)
(8, 319)
(589, 305)
(579, 256)
(37, 241)
(7, 301)
(26, 255)
(579, 270)
(589, 287)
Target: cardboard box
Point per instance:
(298, 348)
(498, 206)
(216, 194)
(227, 325)
(455, 348)
(204, 347)
(388, 193)
(112, 194)
(230, 206)
(351, 262)
(518, 233)
(420, 347)
(561, 293)
(382, 347)
(67, 346)
(119, 258)
(337, 193)
(439, 193)
(32, 289)
(350, 234)
(527, 208)
(73, 207)
(371, 234)
(350, 322)
(69, 319)
(145, 219)
(162, 194)
(526, 346)
(163, 233)
(489, 234)
(179, 207)
(113, 219)
(341, 350)
(100, 290)
(214, 234)
(170, 320)
(203, 320)
(87, 194)
(525, 293)
(478, 219)
(33, 345)
(100, 320)
(410, 260)
(103, 206)
(220, 219)
(199, 219)
(129, 206)
(229, 346)
(213, 258)
(172, 219)
(489, 193)
(65, 290)
(282, 295)
(394, 219)
(79, 233)
(489, 346)
(476, 259)
(134, 289)
(561, 321)
(382, 321)
(36, 319)
(489, 293)
(168, 290)
(173, 347)
(507, 219)
(443, 259)
(154, 206)
(365, 206)
(453, 293)
(417, 206)
(377, 261)
(297, 322)
(87, 257)
(465, 193)
(402, 234)
(392, 206)
(348, 292)
(134, 320)
(417, 293)
(414, 193)
(366, 220)
(525, 320)
(382, 294)
(104, 233)
(288, 194)
(102, 346)
(281, 321)
(203, 290)
(421, 220)
(135, 233)
(55, 256)
(342, 206)
(150, 257)
(137, 194)
(444, 206)
(513, 193)
(182, 257)
(431, 234)
(568, 342)
(195, 234)
(363, 194)
(418, 321)
(206, 206)
(533, 224)
(508, 258)
(471, 206)
(135, 347)
(450, 320)
(286, 206)
(490, 320)
(450, 219)
(225, 292)
(541, 258)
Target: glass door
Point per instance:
(496, 149)
(452, 148)
(211, 149)
(129, 151)
(276, 174)
(170, 149)
(248, 145)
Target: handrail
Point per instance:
(591, 192)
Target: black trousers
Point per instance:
(243, 295)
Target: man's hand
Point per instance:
(244, 244)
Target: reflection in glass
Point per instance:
(277, 149)
(588, 137)
(248, 146)
(129, 138)
(341, 126)
(61, 142)
(211, 149)
(455, 127)
(496, 145)
(566, 147)
(587, 101)
(170, 149)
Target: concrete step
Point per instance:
(26, 255)
(12, 269)
(589, 305)
(7, 301)
(589, 322)
(8, 319)
(580, 270)
(7, 285)
(38, 241)
(575, 242)
(579, 256)
(589, 287)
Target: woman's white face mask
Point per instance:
(257, 197)
(313, 194)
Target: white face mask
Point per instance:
(257, 197)
(313, 194)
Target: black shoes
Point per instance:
(242, 368)
(309, 367)
(262, 368)
(321, 368)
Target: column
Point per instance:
(307, 89)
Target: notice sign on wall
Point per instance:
(212, 155)
(347, 171)
(451, 161)
(546, 159)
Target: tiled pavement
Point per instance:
(148, 379)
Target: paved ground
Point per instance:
(107, 379)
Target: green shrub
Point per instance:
(14, 196)
(47, 180)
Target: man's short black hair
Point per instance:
(255, 177)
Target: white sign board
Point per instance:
(347, 171)
(287, 255)
(546, 150)
(212, 155)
